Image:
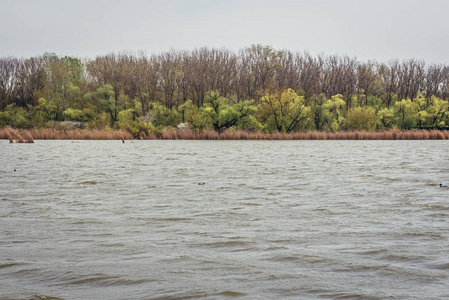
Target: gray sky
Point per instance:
(378, 30)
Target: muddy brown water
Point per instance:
(273, 220)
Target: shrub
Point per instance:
(360, 118)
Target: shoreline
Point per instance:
(29, 135)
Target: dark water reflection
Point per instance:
(275, 219)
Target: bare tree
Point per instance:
(258, 64)
(310, 70)
(389, 75)
(410, 78)
(434, 81)
(31, 78)
(366, 76)
(170, 75)
(9, 68)
(288, 72)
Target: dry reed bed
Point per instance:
(187, 134)
(23, 135)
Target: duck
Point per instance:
(443, 186)
(201, 183)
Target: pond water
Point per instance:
(273, 220)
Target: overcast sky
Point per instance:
(378, 30)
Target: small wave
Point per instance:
(394, 179)
(439, 266)
(26, 272)
(252, 204)
(286, 258)
(227, 188)
(43, 297)
(9, 265)
(231, 294)
(84, 222)
(366, 176)
(428, 235)
(428, 206)
(361, 268)
(275, 248)
(373, 252)
(108, 280)
(258, 188)
(174, 219)
(235, 245)
(341, 295)
(89, 182)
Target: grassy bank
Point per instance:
(28, 136)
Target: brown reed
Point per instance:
(28, 137)
(22, 135)
(8, 134)
(169, 133)
(208, 134)
(186, 134)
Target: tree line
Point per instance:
(258, 88)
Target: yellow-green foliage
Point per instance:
(163, 116)
(385, 118)
(195, 117)
(222, 115)
(127, 120)
(438, 112)
(15, 116)
(334, 107)
(138, 128)
(102, 121)
(84, 115)
(47, 108)
(406, 113)
(284, 111)
(361, 118)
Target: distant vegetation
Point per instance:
(257, 90)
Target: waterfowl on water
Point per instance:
(443, 186)
(201, 183)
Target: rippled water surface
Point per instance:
(274, 220)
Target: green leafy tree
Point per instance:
(64, 76)
(438, 112)
(222, 115)
(320, 114)
(47, 109)
(160, 115)
(101, 121)
(385, 118)
(15, 116)
(406, 113)
(334, 108)
(127, 120)
(284, 111)
(78, 115)
(361, 118)
(421, 104)
(103, 98)
(193, 115)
